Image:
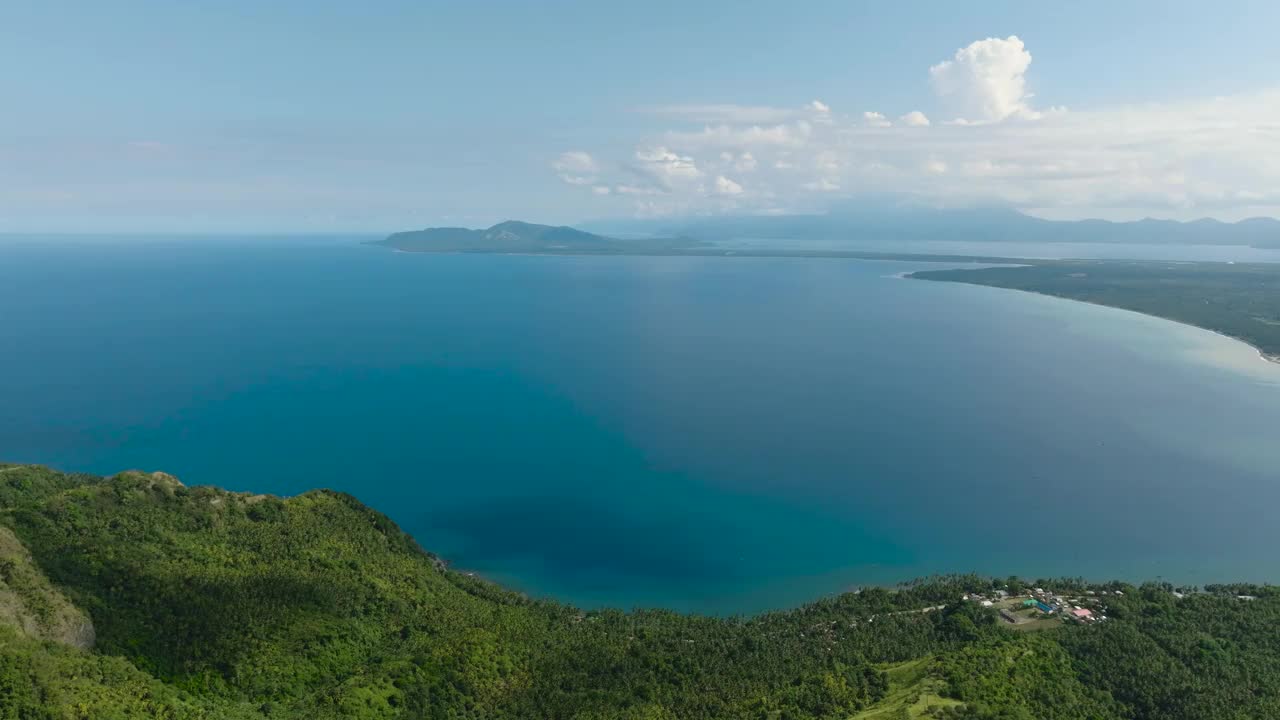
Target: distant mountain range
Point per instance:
(911, 222)
(860, 223)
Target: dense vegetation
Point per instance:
(1240, 300)
(209, 604)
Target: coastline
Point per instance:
(1262, 355)
(221, 498)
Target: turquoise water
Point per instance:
(713, 434)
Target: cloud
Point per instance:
(725, 186)
(664, 170)
(746, 162)
(576, 167)
(730, 136)
(875, 119)
(827, 162)
(820, 107)
(636, 190)
(915, 118)
(1217, 156)
(986, 81)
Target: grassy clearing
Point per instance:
(1043, 623)
(914, 690)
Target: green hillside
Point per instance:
(210, 604)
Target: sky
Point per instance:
(287, 116)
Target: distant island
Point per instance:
(514, 236)
(135, 596)
(1239, 300)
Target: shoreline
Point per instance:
(1262, 355)
(216, 494)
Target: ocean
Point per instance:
(720, 435)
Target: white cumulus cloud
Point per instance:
(915, 118)
(1210, 156)
(986, 81)
(875, 119)
(725, 186)
(667, 169)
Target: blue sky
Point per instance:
(319, 116)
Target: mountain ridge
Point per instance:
(889, 221)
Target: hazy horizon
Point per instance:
(301, 231)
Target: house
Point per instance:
(1082, 613)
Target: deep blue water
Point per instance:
(716, 434)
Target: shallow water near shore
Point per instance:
(712, 434)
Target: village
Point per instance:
(1039, 608)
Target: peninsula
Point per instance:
(1239, 300)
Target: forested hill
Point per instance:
(514, 236)
(135, 596)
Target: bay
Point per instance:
(713, 434)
